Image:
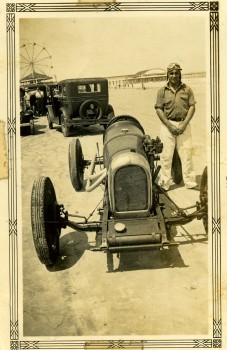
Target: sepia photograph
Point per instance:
(97, 90)
(114, 187)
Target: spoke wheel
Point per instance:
(176, 168)
(44, 211)
(76, 164)
(204, 197)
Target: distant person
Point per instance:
(33, 102)
(55, 92)
(40, 101)
(27, 98)
(175, 107)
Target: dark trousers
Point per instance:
(39, 106)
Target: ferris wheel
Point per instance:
(35, 62)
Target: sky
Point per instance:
(93, 46)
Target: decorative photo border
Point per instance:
(212, 9)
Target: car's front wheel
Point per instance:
(44, 217)
(204, 198)
(76, 164)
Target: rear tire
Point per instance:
(204, 197)
(110, 116)
(44, 208)
(50, 124)
(76, 166)
(32, 127)
(110, 113)
(65, 129)
(176, 168)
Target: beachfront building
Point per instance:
(142, 78)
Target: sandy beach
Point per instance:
(151, 293)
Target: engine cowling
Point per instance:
(129, 175)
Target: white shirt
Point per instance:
(38, 94)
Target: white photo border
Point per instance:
(212, 9)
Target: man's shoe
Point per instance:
(196, 188)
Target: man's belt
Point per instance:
(176, 119)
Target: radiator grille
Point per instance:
(130, 189)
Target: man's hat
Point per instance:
(172, 66)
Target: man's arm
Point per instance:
(172, 128)
(181, 128)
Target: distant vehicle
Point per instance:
(77, 102)
(32, 102)
(27, 126)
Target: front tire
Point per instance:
(44, 214)
(204, 197)
(76, 164)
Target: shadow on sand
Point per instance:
(154, 259)
(92, 130)
(72, 247)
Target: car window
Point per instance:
(91, 87)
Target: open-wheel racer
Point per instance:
(133, 213)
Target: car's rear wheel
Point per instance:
(204, 198)
(25, 131)
(65, 129)
(91, 109)
(110, 115)
(76, 164)
(176, 168)
(44, 214)
(50, 124)
(32, 127)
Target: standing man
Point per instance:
(39, 100)
(27, 98)
(175, 107)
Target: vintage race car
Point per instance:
(134, 210)
(79, 102)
